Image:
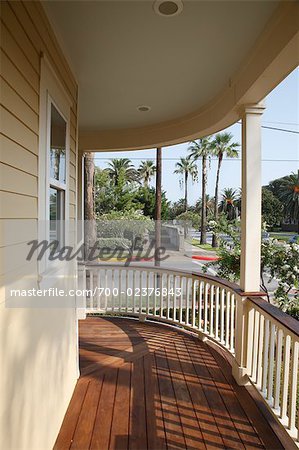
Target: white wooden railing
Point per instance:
(262, 340)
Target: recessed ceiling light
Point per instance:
(168, 8)
(143, 108)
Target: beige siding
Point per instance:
(38, 346)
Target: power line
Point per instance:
(213, 158)
(275, 128)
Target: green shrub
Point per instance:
(114, 243)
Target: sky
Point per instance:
(280, 150)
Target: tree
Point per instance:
(146, 171)
(122, 167)
(90, 232)
(222, 146)
(177, 208)
(202, 150)
(186, 167)
(146, 199)
(288, 193)
(272, 209)
(229, 203)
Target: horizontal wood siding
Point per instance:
(25, 35)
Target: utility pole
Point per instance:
(158, 203)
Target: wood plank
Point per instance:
(17, 206)
(83, 432)
(120, 423)
(69, 423)
(17, 106)
(16, 29)
(191, 428)
(243, 425)
(137, 436)
(17, 131)
(15, 53)
(172, 422)
(203, 411)
(15, 180)
(154, 420)
(253, 412)
(103, 421)
(15, 77)
(225, 425)
(16, 156)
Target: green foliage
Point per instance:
(272, 209)
(228, 266)
(191, 218)
(279, 261)
(176, 208)
(114, 243)
(146, 198)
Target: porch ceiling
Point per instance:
(125, 55)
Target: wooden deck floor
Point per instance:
(149, 386)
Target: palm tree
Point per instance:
(289, 195)
(222, 145)
(146, 171)
(123, 166)
(202, 149)
(229, 202)
(186, 167)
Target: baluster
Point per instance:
(232, 322)
(187, 301)
(181, 299)
(222, 316)
(133, 290)
(255, 346)
(265, 356)
(205, 324)
(140, 292)
(174, 299)
(91, 289)
(212, 293)
(161, 278)
(98, 301)
(260, 353)
(278, 369)
(147, 291)
(126, 289)
(293, 387)
(227, 315)
(120, 289)
(168, 277)
(194, 291)
(271, 364)
(286, 375)
(217, 313)
(200, 303)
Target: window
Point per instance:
(54, 142)
(57, 176)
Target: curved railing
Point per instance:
(262, 340)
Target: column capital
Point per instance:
(252, 108)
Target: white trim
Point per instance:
(51, 92)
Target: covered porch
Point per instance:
(147, 385)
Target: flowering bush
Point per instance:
(279, 261)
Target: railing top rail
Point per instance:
(216, 280)
(280, 316)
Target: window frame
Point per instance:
(52, 92)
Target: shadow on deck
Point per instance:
(150, 386)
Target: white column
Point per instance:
(251, 198)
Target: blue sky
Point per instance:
(280, 150)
